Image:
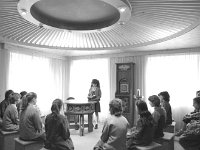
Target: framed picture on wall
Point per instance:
(124, 88)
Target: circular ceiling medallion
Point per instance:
(75, 14)
(121, 25)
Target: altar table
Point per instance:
(80, 109)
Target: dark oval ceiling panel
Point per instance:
(151, 22)
(75, 14)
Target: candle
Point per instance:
(138, 92)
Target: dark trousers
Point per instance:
(190, 141)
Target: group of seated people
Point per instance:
(19, 112)
(116, 134)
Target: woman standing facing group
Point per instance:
(95, 95)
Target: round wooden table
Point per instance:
(73, 107)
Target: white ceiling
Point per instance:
(154, 25)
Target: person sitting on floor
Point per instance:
(114, 130)
(144, 131)
(30, 126)
(191, 135)
(10, 117)
(57, 129)
(159, 116)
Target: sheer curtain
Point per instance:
(43, 75)
(4, 65)
(179, 74)
(82, 72)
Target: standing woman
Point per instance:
(30, 126)
(95, 95)
(56, 128)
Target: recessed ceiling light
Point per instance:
(122, 9)
(121, 22)
(23, 11)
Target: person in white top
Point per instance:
(114, 130)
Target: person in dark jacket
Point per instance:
(57, 129)
(5, 102)
(164, 99)
(159, 116)
(144, 132)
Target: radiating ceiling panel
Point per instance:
(151, 22)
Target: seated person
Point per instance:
(164, 99)
(30, 126)
(114, 130)
(191, 135)
(56, 128)
(10, 117)
(159, 116)
(19, 104)
(5, 103)
(144, 131)
(188, 117)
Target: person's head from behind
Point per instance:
(95, 83)
(8, 94)
(30, 98)
(164, 96)
(154, 101)
(196, 103)
(141, 106)
(115, 107)
(23, 93)
(56, 106)
(14, 98)
(197, 93)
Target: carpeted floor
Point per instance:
(87, 141)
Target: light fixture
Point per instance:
(121, 22)
(122, 9)
(95, 16)
(23, 11)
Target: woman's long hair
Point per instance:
(95, 81)
(26, 99)
(56, 107)
(144, 112)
